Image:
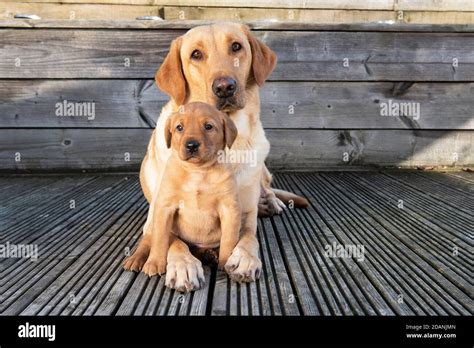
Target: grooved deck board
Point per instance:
(414, 227)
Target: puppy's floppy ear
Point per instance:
(263, 58)
(168, 132)
(230, 130)
(170, 78)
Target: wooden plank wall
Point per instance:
(322, 11)
(321, 107)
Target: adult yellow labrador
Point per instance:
(222, 65)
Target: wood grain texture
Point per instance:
(342, 4)
(255, 25)
(318, 105)
(435, 5)
(406, 252)
(319, 16)
(250, 14)
(106, 149)
(316, 56)
(425, 17)
(77, 11)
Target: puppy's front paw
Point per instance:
(153, 267)
(242, 266)
(184, 273)
(135, 262)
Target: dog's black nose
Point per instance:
(224, 87)
(192, 146)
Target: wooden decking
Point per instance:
(416, 229)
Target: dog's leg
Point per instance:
(273, 201)
(184, 272)
(269, 204)
(244, 264)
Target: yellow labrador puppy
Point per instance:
(222, 65)
(198, 198)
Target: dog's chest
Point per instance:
(199, 198)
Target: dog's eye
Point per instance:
(208, 126)
(196, 55)
(179, 128)
(236, 47)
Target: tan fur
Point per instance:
(185, 80)
(198, 198)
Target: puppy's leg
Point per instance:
(156, 262)
(230, 217)
(184, 272)
(244, 264)
(136, 261)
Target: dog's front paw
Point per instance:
(242, 266)
(185, 273)
(269, 205)
(153, 267)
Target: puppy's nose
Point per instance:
(192, 146)
(224, 87)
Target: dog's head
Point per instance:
(215, 64)
(198, 131)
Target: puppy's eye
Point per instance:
(196, 55)
(179, 128)
(236, 47)
(208, 126)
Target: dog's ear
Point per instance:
(170, 78)
(230, 130)
(263, 58)
(168, 133)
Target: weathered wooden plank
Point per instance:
(25, 289)
(459, 199)
(250, 14)
(334, 105)
(75, 149)
(321, 16)
(380, 282)
(441, 238)
(434, 5)
(404, 280)
(463, 177)
(346, 4)
(69, 148)
(45, 205)
(431, 17)
(310, 149)
(90, 270)
(255, 25)
(397, 222)
(405, 254)
(314, 56)
(77, 11)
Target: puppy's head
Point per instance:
(215, 64)
(198, 131)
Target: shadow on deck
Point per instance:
(415, 227)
